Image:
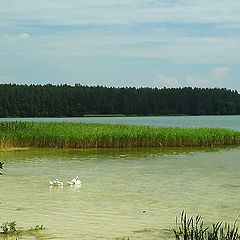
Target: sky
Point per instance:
(119, 43)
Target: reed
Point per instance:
(190, 228)
(9, 230)
(83, 135)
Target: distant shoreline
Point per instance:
(121, 115)
(78, 100)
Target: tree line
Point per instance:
(74, 101)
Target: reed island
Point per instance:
(84, 135)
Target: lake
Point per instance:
(133, 193)
(231, 121)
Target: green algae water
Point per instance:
(134, 193)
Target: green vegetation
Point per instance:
(190, 228)
(74, 101)
(82, 135)
(195, 229)
(10, 229)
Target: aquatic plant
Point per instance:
(195, 229)
(10, 229)
(36, 228)
(83, 135)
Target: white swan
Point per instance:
(55, 183)
(74, 181)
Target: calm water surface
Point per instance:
(117, 186)
(232, 122)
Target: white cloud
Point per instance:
(6, 38)
(196, 81)
(163, 32)
(166, 81)
(215, 78)
(120, 12)
(220, 73)
(129, 28)
(24, 36)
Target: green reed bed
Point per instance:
(83, 135)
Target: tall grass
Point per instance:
(83, 135)
(195, 229)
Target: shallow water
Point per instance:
(117, 187)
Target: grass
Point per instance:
(10, 229)
(195, 229)
(83, 135)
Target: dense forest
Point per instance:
(73, 101)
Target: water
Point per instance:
(168, 121)
(117, 187)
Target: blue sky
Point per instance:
(150, 43)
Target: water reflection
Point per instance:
(96, 154)
(72, 188)
(55, 188)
